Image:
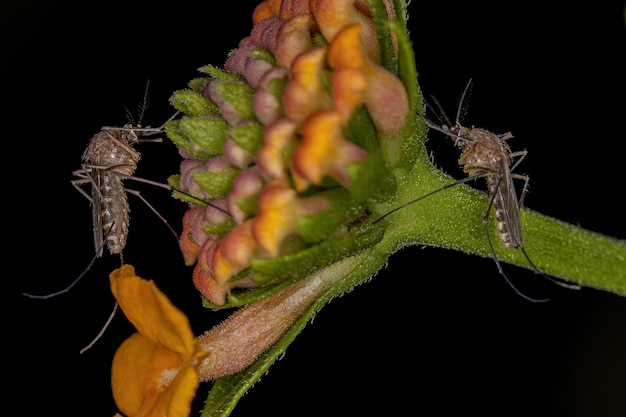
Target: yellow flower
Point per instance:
(154, 372)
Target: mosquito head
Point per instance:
(128, 134)
(461, 136)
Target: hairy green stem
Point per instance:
(453, 218)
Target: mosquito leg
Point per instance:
(445, 187)
(138, 194)
(69, 287)
(170, 188)
(99, 335)
(78, 183)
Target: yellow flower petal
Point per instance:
(334, 15)
(274, 156)
(154, 372)
(305, 92)
(151, 312)
(278, 210)
(130, 372)
(324, 151)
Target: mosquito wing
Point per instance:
(96, 209)
(507, 208)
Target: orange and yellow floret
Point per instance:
(295, 83)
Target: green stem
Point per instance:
(453, 219)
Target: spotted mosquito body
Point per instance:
(108, 159)
(485, 154)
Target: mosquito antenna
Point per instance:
(129, 115)
(143, 106)
(462, 101)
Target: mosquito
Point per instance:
(109, 159)
(485, 154)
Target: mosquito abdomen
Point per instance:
(114, 212)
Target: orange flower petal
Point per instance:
(266, 9)
(188, 245)
(234, 252)
(305, 93)
(334, 15)
(141, 301)
(324, 150)
(384, 95)
(278, 210)
(349, 91)
(154, 372)
(274, 156)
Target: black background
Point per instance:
(436, 332)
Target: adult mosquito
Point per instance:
(109, 159)
(485, 154)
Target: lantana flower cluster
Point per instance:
(285, 150)
(282, 147)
